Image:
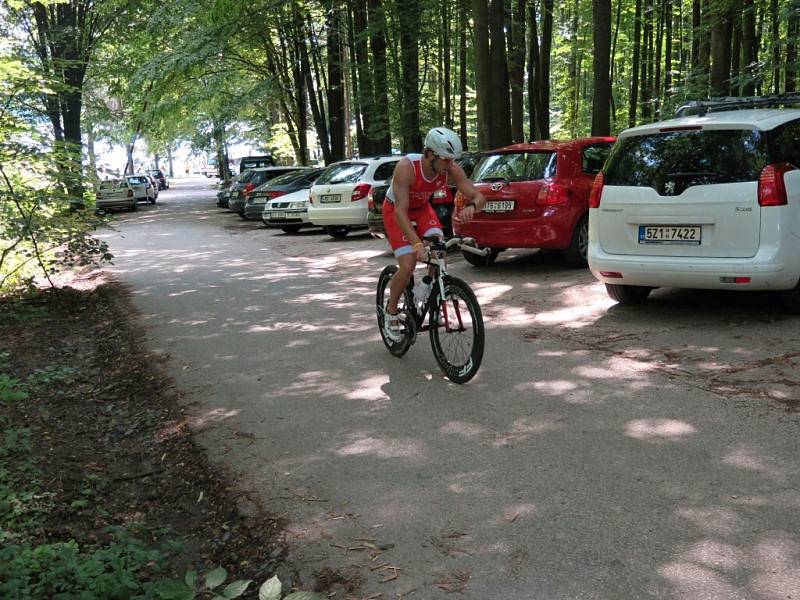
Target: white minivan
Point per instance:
(710, 201)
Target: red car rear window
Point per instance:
(516, 166)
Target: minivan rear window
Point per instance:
(688, 158)
(516, 166)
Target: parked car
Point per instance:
(339, 196)
(224, 191)
(441, 200)
(154, 184)
(160, 177)
(709, 201)
(537, 197)
(256, 162)
(250, 180)
(143, 188)
(283, 184)
(289, 212)
(113, 194)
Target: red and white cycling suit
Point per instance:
(420, 211)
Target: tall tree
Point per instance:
(381, 137)
(335, 91)
(601, 104)
(516, 69)
(500, 113)
(721, 37)
(64, 36)
(634, 94)
(483, 81)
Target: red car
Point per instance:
(537, 197)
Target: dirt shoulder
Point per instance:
(109, 439)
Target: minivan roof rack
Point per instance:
(701, 107)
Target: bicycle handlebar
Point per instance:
(465, 243)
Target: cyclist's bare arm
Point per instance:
(464, 185)
(402, 180)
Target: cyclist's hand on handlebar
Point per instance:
(464, 215)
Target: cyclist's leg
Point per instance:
(403, 251)
(428, 225)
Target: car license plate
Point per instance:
(329, 198)
(670, 234)
(277, 215)
(499, 206)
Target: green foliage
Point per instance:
(272, 590)
(119, 569)
(189, 588)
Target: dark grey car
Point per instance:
(284, 184)
(250, 180)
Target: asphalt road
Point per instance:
(602, 452)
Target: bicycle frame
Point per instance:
(437, 260)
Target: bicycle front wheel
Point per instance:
(456, 328)
(405, 308)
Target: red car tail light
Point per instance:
(771, 186)
(553, 193)
(597, 190)
(360, 192)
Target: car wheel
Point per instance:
(290, 228)
(575, 255)
(628, 294)
(135, 206)
(790, 299)
(481, 261)
(153, 200)
(337, 231)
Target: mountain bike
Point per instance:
(454, 319)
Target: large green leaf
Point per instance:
(270, 589)
(236, 589)
(216, 577)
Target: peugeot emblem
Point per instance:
(669, 187)
(496, 187)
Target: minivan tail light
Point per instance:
(248, 188)
(771, 186)
(360, 192)
(553, 193)
(597, 190)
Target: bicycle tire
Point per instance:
(405, 305)
(457, 356)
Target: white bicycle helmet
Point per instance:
(444, 143)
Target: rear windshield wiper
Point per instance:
(693, 174)
(498, 178)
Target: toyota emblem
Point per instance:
(496, 187)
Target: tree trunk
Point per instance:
(668, 17)
(749, 47)
(516, 70)
(463, 10)
(314, 96)
(573, 73)
(534, 72)
(721, 32)
(704, 49)
(335, 91)
(736, 50)
(500, 113)
(543, 108)
(646, 59)
(601, 102)
(637, 39)
(446, 53)
(655, 89)
(480, 15)
(169, 160)
(409, 17)
(381, 135)
(776, 47)
(792, 31)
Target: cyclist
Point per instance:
(408, 216)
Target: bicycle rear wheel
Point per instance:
(405, 308)
(456, 328)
